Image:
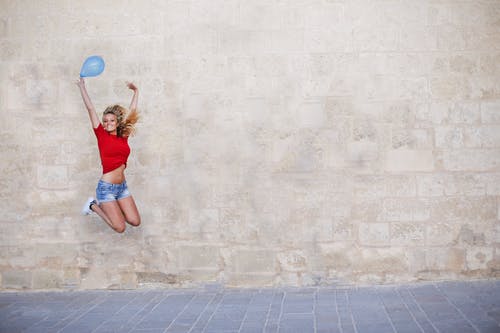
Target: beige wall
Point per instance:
(289, 142)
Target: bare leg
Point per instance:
(128, 207)
(107, 211)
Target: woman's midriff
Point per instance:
(117, 176)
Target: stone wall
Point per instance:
(288, 142)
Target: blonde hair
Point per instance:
(126, 119)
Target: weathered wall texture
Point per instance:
(288, 142)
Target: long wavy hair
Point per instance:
(125, 119)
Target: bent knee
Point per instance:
(135, 222)
(119, 228)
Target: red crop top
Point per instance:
(114, 150)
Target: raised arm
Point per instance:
(133, 103)
(94, 119)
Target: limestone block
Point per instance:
(379, 261)
(405, 209)
(218, 13)
(445, 259)
(252, 261)
(415, 37)
(373, 187)
(365, 209)
(450, 38)
(39, 92)
(11, 50)
(407, 234)
(317, 229)
(480, 39)
(197, 257)
(71, 278)
(374, 234)
(477, 234)
(311, 114)
(95, 278)
(449, 87)
(444, 184)
(17, 279)
(488, 64)
(464, 64)
(478, 257)
(21, 256)
(47, 279)
(466, 184)
(296, 154)
(52, 176)
(442, 234)
(203, 276)
(409, 160)
(472, 14)
(431, 185)
(483, 87)
(253, 280)
(384, 38)
(161, 279)
(292, 261)
(440, 112)
(490, 112)
(449, 137)
(459, 208)
(343, 229)
(338, 256)
(235, 228)
(321, 40)
(287, 278)
(128, 280)
(260, 16)
(362, 151)
(416, 259)
(203, 220)
(469, 160)
(3, 27)
(411, 139)
(482, 137)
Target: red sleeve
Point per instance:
(99, 130)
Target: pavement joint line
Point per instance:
(315, 299)
(281, 310)
(422, 310)
(83, 314)
(348, 309)
(456, 308)
(221, 296)
(203, 311)
(121, 308)
(409, 311)
(384, 306)
(246, 312)
(180, 313)
(132, 327)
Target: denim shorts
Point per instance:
(106, 192)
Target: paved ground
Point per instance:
(453, 307)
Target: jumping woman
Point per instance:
(114, 203)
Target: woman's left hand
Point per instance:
(132, 86)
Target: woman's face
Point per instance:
(109, 123)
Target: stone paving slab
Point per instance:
(454, 307)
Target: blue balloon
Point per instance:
(93, 66)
